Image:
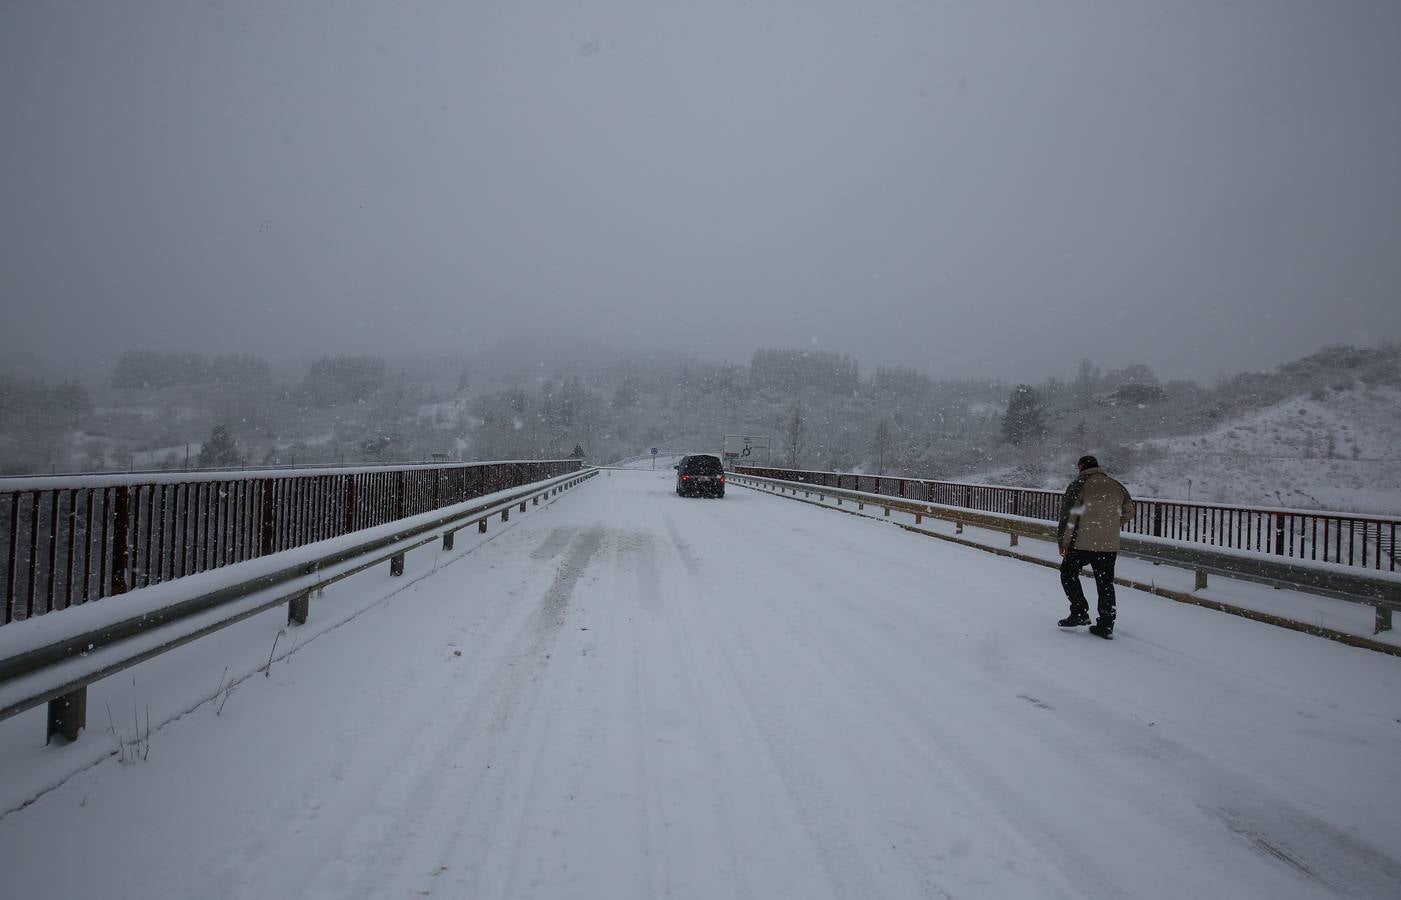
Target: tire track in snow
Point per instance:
(680, 693)
(648, 585)
(529, 683)
(430, 784)
(845, 868)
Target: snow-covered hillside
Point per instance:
(1334, 449)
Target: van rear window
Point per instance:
(704, 465)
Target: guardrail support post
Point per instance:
(448, 537)
(522, 506)
(536, 500)
(958, 528)
(1200, 581)
(506, 514)
(887, 512)
(1383, 620)
(68, 715)
(860, 505)
(919, 519)
(1014, 539)
(396, 565)
(298, 608)
(481, 526)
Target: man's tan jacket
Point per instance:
(1093, 510)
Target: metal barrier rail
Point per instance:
(1325, 579)
(1362, 541)
(69, 540)
(112, 647)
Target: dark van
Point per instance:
(700, 475)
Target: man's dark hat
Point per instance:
(1088, 462)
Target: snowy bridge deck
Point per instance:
(626, 694)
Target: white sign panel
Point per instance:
(746, 450)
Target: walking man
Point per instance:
(1093, 510)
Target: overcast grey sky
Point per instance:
(974, 188)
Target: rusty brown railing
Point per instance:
(65, 541)
(1350, 539)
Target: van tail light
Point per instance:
(685, 477)
(722, 477)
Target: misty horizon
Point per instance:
(542, 360)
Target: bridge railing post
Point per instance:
(267, 538)
(348, 516)
(121, 540)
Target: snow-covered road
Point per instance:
(631, 695)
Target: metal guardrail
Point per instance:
(1350, 539)
(293, 586)
(1326, 579)
(70, 540)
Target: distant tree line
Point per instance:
(343, 379)
(23, 399)
(894, 381)
(148, 369)
(788, 371)
(815, 405)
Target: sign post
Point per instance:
(654, 459)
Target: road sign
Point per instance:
(746, 450)
(654, 451)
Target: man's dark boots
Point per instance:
(1073, 620)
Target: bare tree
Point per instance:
(795, 436)
(1087, 378)
(883, 442)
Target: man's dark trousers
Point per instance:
(1102, 563)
